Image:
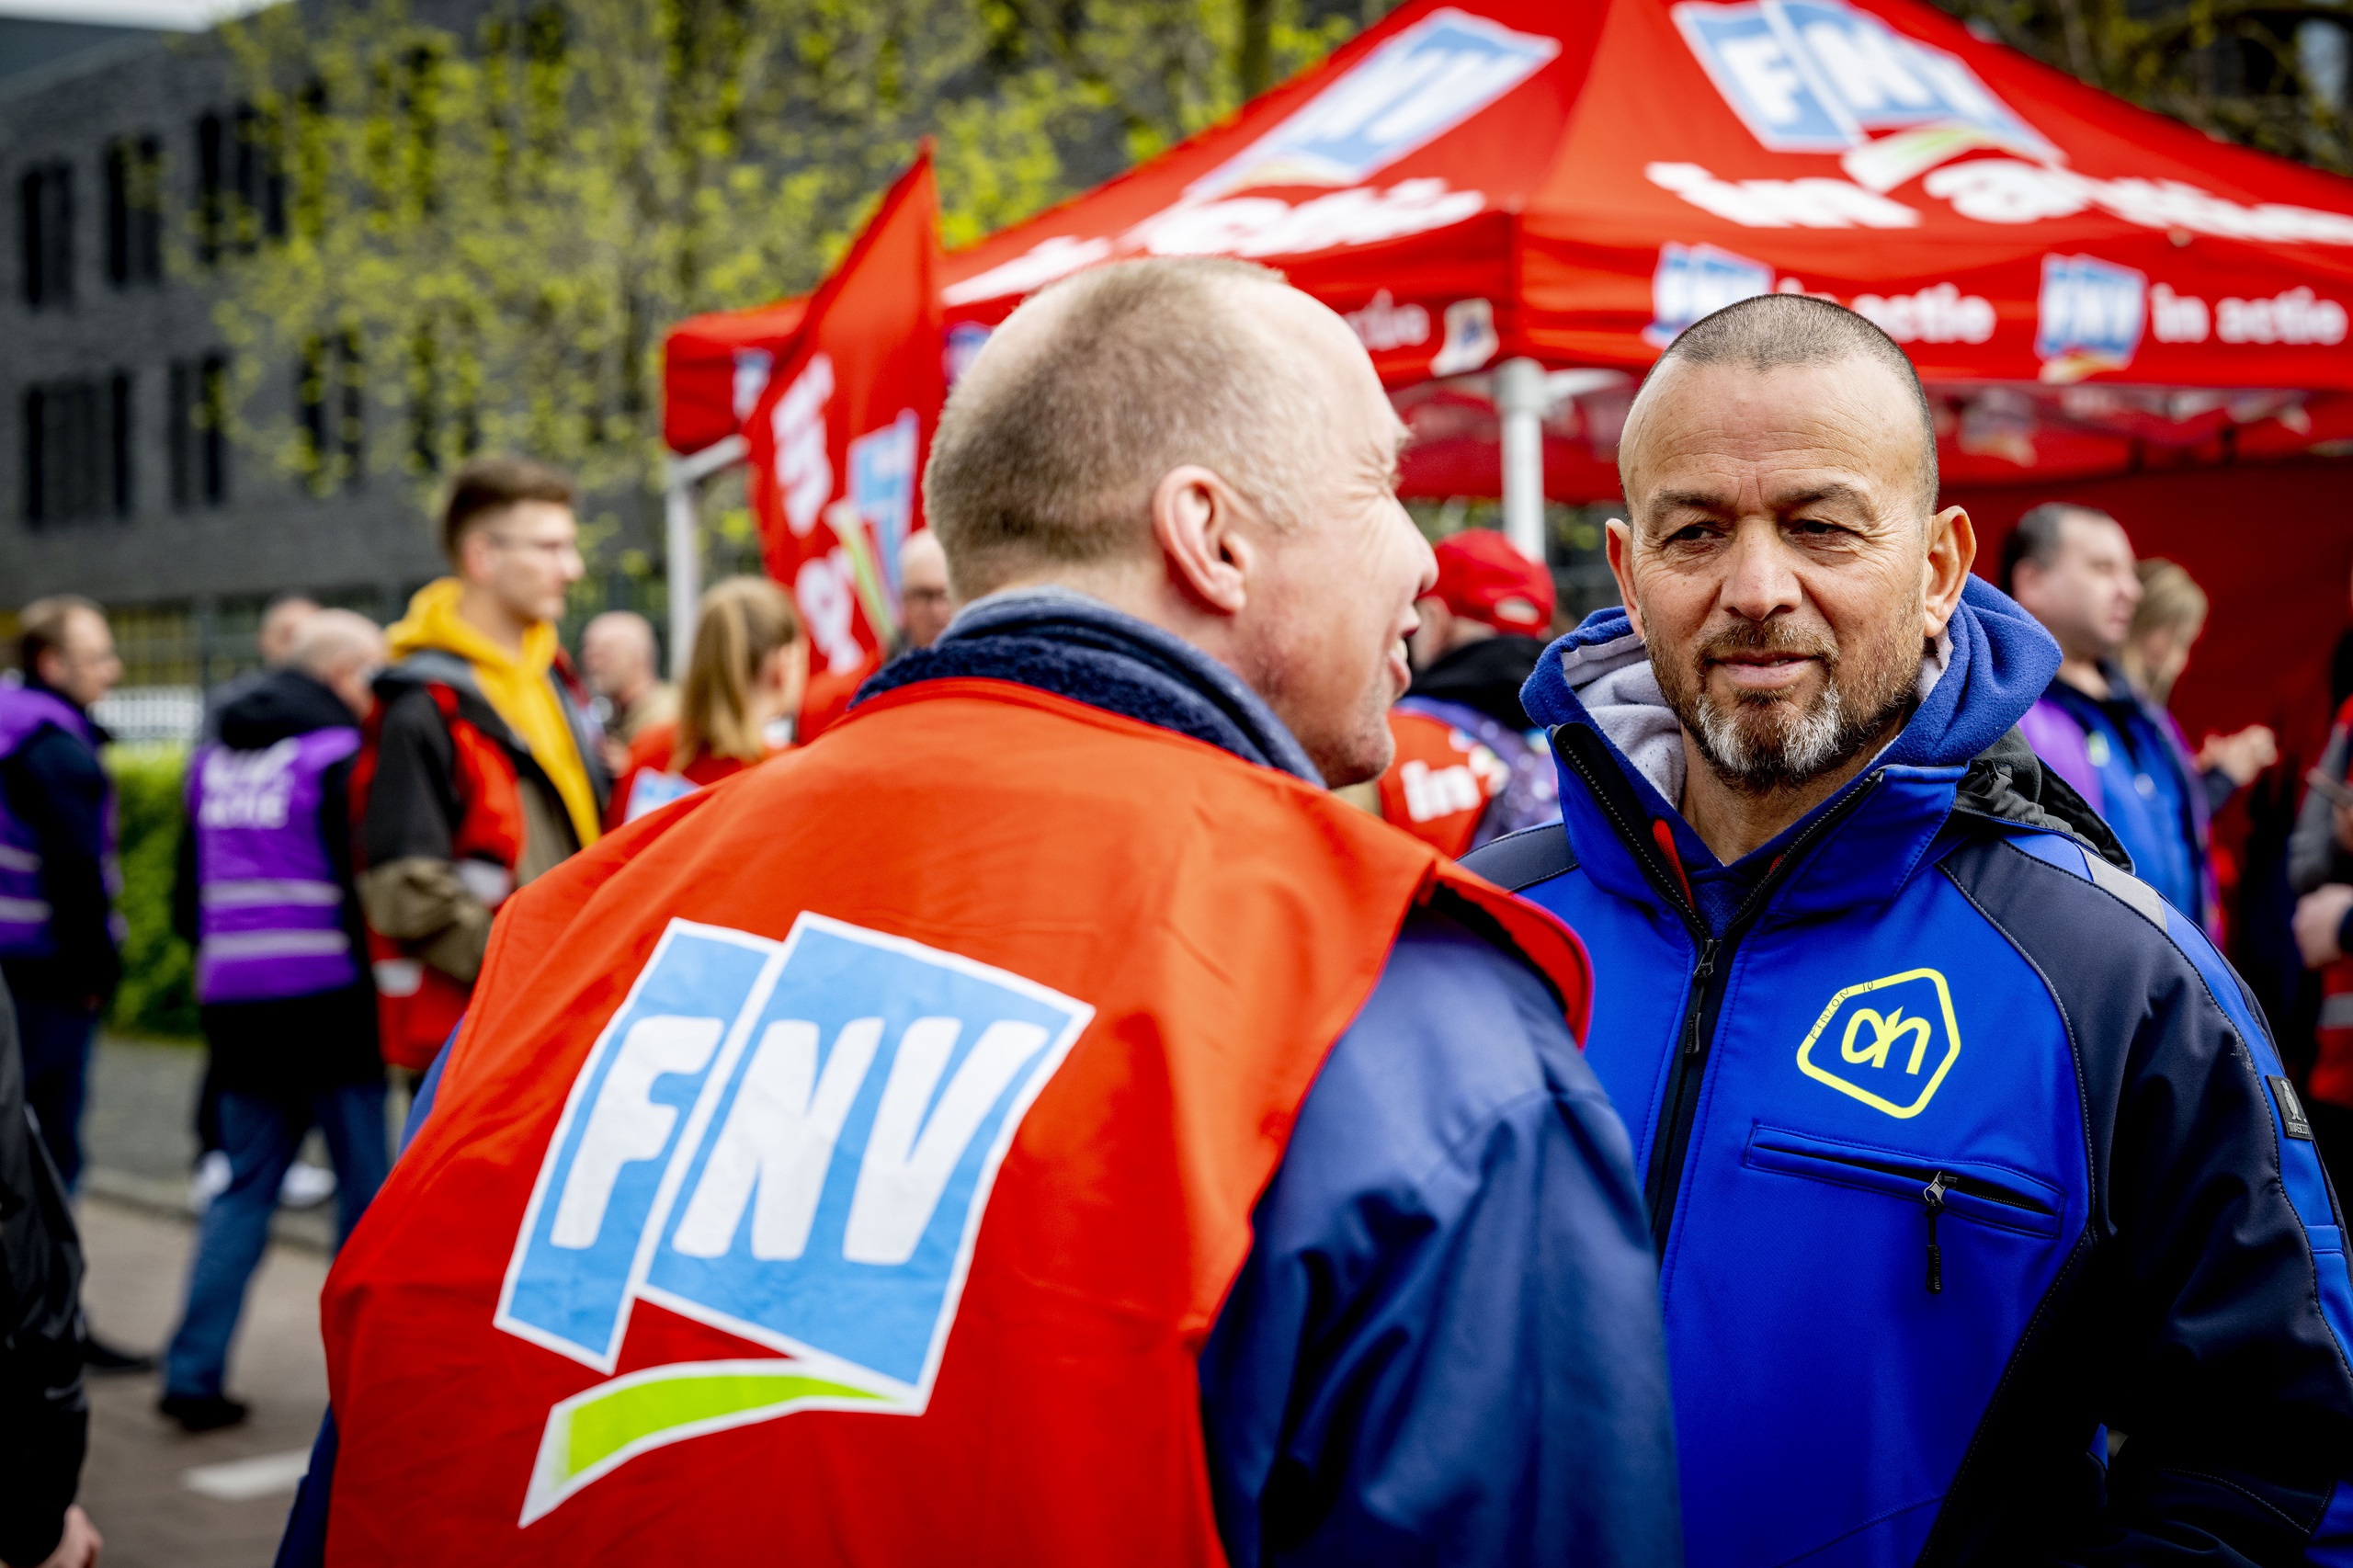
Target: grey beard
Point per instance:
(1824, 737)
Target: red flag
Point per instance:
(837, 435)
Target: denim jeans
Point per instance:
(55, 1039)
(261, 1135)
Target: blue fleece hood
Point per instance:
(1996, 661)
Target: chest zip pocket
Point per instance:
(2008, 1204)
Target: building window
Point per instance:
(330, 394)
(45, 223)
(199, 432)
(240, 183)
(134, 212)
(211, 204)
(77, 450)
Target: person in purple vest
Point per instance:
(266, 897)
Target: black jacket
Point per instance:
(57, 788)
(296, 1044)
(1484, 677)
(44, 1419)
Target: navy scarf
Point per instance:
(1082, 649)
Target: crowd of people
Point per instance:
(1770, 1091)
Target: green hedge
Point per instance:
(158, 975)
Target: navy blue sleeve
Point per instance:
(304, 1544)
(1445, 1346)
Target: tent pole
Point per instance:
(681, 485)
(1519, 403)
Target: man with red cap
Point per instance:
(1469, 767)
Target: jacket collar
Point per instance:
(1622, 767)
(1081, 648)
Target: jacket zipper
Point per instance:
(1932, 1200)
(1671, 1144)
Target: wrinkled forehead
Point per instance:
(1757, 434)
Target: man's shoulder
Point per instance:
(2105, 941)
(1459, 1034)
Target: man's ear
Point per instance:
(1620, 550)
(1203, 534)
(1952, 551)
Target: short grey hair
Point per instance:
(332, 641)
(2039, 533)
(1768, 331)
(1047, 451)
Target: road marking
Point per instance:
(242, 1481)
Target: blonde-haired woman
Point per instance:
(743, 685)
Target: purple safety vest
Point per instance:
(25, 931)
(270, 909)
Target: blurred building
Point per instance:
(120, 150)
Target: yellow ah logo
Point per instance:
(1889, 1056)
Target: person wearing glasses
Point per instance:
(483, 767)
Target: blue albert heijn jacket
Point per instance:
(1966, 1155)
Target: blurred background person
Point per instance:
(617, 656)
(2071, 568)
(1470, 766)
(266, 897)
(282, 619)
(2166, 625)
(484, 769)
(44, 1414)
(925, 608)
(60, 938)
(744, 683)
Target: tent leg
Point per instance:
(1520, 402)
(682, 549)
(683, 559)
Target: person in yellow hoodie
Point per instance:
(482, 768)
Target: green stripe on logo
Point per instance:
(602, 1422)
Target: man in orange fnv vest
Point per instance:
(482, 767)
(1036, 1123)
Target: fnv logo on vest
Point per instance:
(792, 1142)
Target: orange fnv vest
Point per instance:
(846, 1163)
(1440, 783)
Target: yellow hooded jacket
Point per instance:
(518, 690)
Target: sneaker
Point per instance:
(99, 1357)
(210, 1180)
(305, 1186)
(202, 1412)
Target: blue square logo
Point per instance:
(793, 1141)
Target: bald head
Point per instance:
(1772, 332)
(341, 650)
(1090, 394)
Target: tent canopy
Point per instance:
(2090, 288)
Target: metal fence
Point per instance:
(143, 715)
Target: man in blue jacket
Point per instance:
(1990, 1229)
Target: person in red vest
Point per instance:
(483, 765)
(1039, 1124)
(1470, 766)
(743, 685)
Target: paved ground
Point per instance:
(137, 1485)
(164, 1499)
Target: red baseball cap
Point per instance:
(1481, 577)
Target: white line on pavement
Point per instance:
(242, 1481)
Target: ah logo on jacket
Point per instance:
(792, 1142)
(1887, 1042)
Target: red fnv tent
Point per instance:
(1517, 204)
